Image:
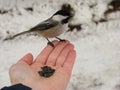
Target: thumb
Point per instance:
(28, 59)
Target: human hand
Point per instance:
(61, 58)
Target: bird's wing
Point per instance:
(44, 25)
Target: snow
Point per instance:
(98, 49)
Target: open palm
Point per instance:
(61, 58)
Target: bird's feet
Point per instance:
(51, 44)
(62, 40)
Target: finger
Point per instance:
(28, 59)
(68, 64)
(63, 55)
(55, 53)
(42, 57)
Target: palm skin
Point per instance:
(61, 58)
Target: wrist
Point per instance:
(33, 86)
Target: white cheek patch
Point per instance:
(59, 17)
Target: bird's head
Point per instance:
(65, 14)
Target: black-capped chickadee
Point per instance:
(53, 26)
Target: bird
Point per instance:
(53, 26)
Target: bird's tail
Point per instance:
(14, 36)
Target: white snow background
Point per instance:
(97, 65)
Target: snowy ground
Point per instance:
(97, 66)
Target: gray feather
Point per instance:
(44, 25)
